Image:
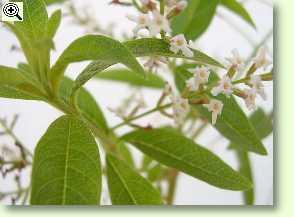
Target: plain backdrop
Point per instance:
(226, 33)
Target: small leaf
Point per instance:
(238, 9)
(127, 187)
(195, 19)
(66, 168)
(53, 23)
(130, 77)
(93, 47)
(152, 47)
(14, 85)
(85, 102)
(262, 123)
(172, 149)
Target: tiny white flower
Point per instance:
(200, 76)
(155, 62)
(225, 86)
(261, 60)
(180, 108)
(236, 61)
(145, 2)
(158, 23)
(170, 3)
(142, 20)
(256, 83)
(167, 89)
(181, 5)
(215, 107)
(250, 96)
(178, 43)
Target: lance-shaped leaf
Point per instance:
(172, 149)
(144, 48)
(130, 77)
(93, 47)
(85, 102)
(195, 19)
(152, 47)
(263, 127)
(127, 187)
(66, 166)
(238, 9)
(14, 85)
(232, 123)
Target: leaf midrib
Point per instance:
(66, 165)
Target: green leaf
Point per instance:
(155, 173)
(238, 9)
(53, 23)
(262, 123)
(152, 47)
(93, 47)
(172, 149)
(195, 19)
(66, 168)
(127, 187)
(85, 102)
(130, 77)
(14, 85)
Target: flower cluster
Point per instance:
(227, 86)
(156, 23)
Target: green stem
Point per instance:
(172, 181)
(127, 121)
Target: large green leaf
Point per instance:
(14, 85)
(127, 187)
(232, 123)
(195, 19)
(238, 9)
(172, 149)
(152, 47)
(85, 102)
(93, 47)
(263, 126)
(132, 78)
(66, 166)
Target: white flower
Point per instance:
(178, 43)
(215, 107)
(158, 23)
(256, 83)
(145, 2)
(261, 60)
(236, 61)
(170, 3)
(250, 96)
(181, 5)
(167, 89)
(155, 62)
(142, 20)
(201, 75)
(225, 86)
(180, 108)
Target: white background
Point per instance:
(218, 41)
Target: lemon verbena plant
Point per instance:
(81, 147)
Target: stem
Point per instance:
(18, 143)
(172, 181)
(127, 121)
